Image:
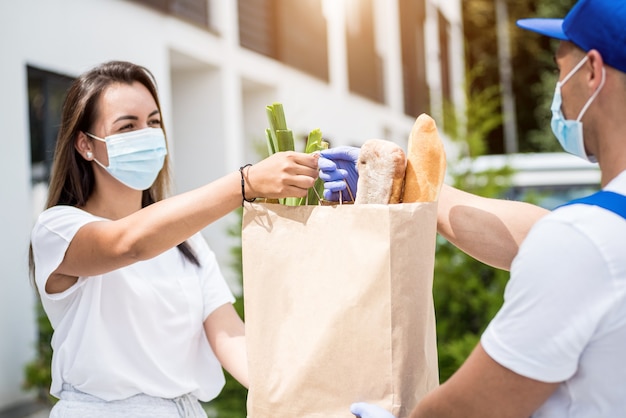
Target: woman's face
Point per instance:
(123, 108)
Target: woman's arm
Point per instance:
(489, 230)
(226, 333)
(100, 247)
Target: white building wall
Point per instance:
(17, 315)
(213, 96)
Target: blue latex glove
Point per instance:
(338, 166)
(366, 410)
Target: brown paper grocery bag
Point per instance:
(338, 307)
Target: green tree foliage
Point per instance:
(468, 293)
(231, 402)
(535, 75)
(532, 63)
(38, 373)
(482, 116)
(479, 26)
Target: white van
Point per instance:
(546, 179)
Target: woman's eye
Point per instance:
(156, 123)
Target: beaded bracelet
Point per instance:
(243, 186)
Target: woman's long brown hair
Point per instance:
(72, 179)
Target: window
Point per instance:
(196, 11)
(46, 93)
(416, 92)
(258, 29)
(365, 67)
(292, 32)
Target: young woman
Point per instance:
(143, 319)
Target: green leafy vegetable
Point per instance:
(280, 138)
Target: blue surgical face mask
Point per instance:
(135, 158)
(570, 132)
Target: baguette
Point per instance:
(426, 162)
(381, 168)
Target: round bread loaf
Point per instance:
(381, 172)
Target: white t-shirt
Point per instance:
(135, 330)
(564, 313)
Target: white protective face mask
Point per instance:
(570, 132)
(135, 158)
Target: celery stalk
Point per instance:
(270, 142)
(284, 139)
(314, 143)
(279, 138)
(273, 142)
(279, 117)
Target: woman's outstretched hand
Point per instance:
(284, 174)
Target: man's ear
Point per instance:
(597, 65)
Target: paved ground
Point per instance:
(44, 413)
(26, 410)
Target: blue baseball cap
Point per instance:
(590, 24)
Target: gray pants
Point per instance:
(76, 404)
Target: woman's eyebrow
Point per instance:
(131, 117)
(126, 117)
